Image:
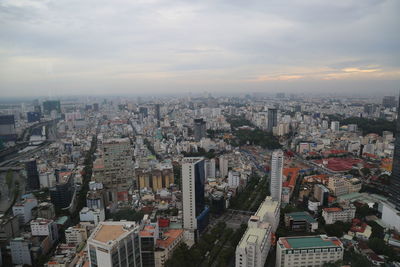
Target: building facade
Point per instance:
(394, 188)
(304, 251)
(195, 212)
(276, 174)
(115, 244)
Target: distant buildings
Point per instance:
(50, 105)
(199, 129)
(389, 101)
(195, 212)
(115, 243)
(394, 188)
(335, 126)
(223, 166)
(276, 175)
(272, 119)
(61, 194)
(308, 251)
(7, 128)
(32, 175)
(33, 116)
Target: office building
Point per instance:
(33, 116)
(233, 179)
(255, 244)
(321, 193)
(394, 188)
(117, 170)
(157, 112)
(148, 235)
(346, 213)
(301, 222)
(23, 210)
(9, 228)
(7, 128)
(32, 174)
(76, 234)
(308, 251)
(276, 175)
(21, 251)
(50, 105)
(272, 119)
(209, 166)
(61, 194)
(195, 212)
(94, 216)
(335, 126)
(45, 227)
(96, 107)
(389, 101)
(223, 166)
(199, 129)
(115, 244)
(144, 111)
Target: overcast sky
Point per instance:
(62, 47)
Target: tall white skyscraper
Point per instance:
(195, 213)
(223, 166)
(276, 175)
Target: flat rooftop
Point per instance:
(108, 233)
(252, 235)
(309, 242)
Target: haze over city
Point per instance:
(56, 48)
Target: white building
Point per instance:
(223, 166)
(92, 215)
(210, 168)
(75, 235)
(255, 244)
(308, 251)
(24, 210)
(115, 243)
(335, 126)
(233, 179)
(276, 175)
(344, 214)
(20, 251)
(44, 227)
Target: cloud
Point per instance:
(176, 45)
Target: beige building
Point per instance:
(305, 251)
(170, 240)
(343, 214)
(76, 235)
(154, 179)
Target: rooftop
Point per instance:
(252, 235)
(309, 242)
(301, 215)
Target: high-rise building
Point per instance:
(195, 212)
(21, 251)
(61, 194)
(33, 116)
(308, 251)
(115, 244)
(223, 166)
(255, 244)
(276, 174)
(50, 105)
(45, 227)
(389, 101)
(394, 189)
(157, 111)
(335, 126)
(7, 128)
(272, 119)
(116, 171)
(32, 174)
(199, 129)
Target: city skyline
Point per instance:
(64, 48)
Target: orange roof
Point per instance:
(146, 233)
(332, 209)
(294, 173)
(171, 235)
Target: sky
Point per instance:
(98, 47)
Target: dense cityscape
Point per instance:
(200, 180)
